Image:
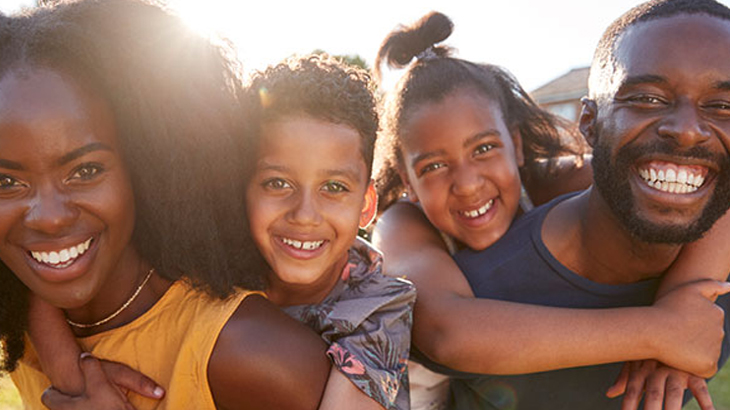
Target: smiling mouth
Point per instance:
(303, 245)
(61, 258)
(475, 213)
(673, 178)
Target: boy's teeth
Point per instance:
(678, 179)
(479, 212)
(62, 257)
(306, 245)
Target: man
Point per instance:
(658, 117)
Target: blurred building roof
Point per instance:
(570, 86)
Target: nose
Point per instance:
(465, 180)
(305, 210)
(50, 212)
(685, 126)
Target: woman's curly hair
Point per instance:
(433, 76)
(176, 99)
(321, 87)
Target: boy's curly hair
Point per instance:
(319, 86)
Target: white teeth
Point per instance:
(479, 212)
(679, 181)
(682, 177)
(671, 175)
(63, 256)
(306, 245)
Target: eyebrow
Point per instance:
(467, 142)
(722, 85)
(80, 152)
(8, 164)
(643, 79)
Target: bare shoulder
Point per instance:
(548, 180)
(264, 359)
(403, 224)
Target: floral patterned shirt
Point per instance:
(366, 319)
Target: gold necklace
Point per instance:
(118, 311)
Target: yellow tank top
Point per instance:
(172, 343)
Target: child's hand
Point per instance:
(106, 384)
(692, 327)
(658, 384)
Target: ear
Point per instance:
(587, 119)
(411, 192)
(517, 143)
(370, 207)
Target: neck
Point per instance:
(118, 287)
(584, 235)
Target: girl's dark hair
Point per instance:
(435, 75)
(176, 99)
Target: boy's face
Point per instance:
(306, 201)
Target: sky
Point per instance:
(537, 40)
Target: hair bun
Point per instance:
(407, 42)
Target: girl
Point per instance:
(459, 136)
(111, 113)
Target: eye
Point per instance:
(433, 166)
(86, 172)
(335, 187)
(718, 107)
(483, 148)
(8, 182)
(276, 184)
(647, 101)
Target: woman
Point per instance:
(118, 143)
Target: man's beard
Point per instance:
(612, 182)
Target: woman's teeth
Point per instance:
(478, 212)
(306, 245)
(63, 257)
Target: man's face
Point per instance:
(661, 135)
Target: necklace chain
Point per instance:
(118, 311)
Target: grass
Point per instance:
(719, 389)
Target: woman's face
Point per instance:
(462, 164)
(66, 203)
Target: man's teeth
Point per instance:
(64, 256)
(680, 181)
(306, 245)
(479, 212)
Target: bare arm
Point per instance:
(470, 334)
(342, 394)
(266, 360)
(707, 258)
(56, 347)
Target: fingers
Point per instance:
(93, 374)
(698, 387)
(619, 386)
(635, 386)
(127, 378)
(711, 289)
(55, 400)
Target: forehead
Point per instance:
(43, 107)
(683, 47)
(458, 116)
(309, 145)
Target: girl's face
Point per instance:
(66, 204)
(462, 164)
